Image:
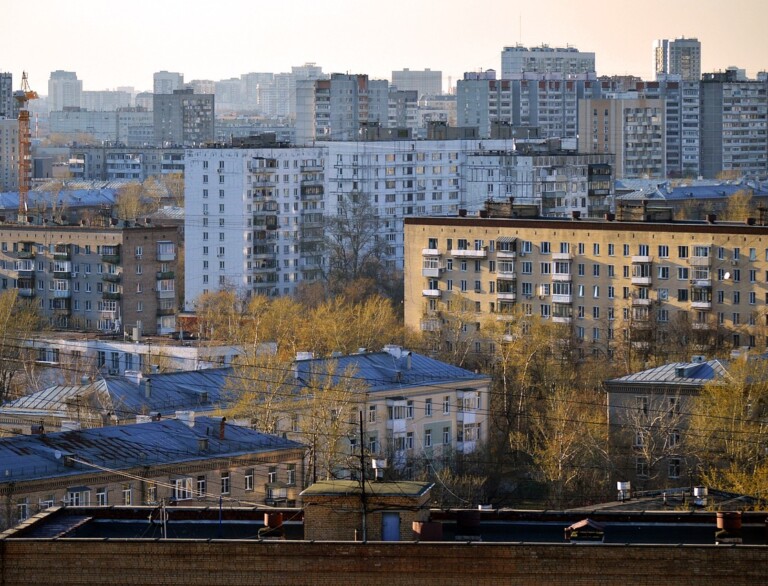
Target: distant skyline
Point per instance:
(110, 45)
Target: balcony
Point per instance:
(430, 252)
(641, 260)
(166, 256)
(160, 295)
(700, 261)
(562, 277)
(642, 281)
(26, 254)
(431, 271)
(561, 319)
(66, 294)
(112, 295)
(639, 302)
(701, 304)
(467, 417)
(165, 311)
(162, 275)
(111, 277)
(559, 298)
(509, 296)
(466, 253)
(111, 258)
(562, 256)
(701, 326)
(61, 253)
(433, 293)
(506, 275)
(26, 292)
(312, 169)
(506, 254)
(701, 283)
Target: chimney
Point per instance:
(576, 214)
(728, 528)
(147, 389)
(222, 426)
(711, 218)
(187, 417)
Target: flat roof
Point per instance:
(404, 488)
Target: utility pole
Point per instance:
(362, 479)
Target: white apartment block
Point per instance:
(165, 82)
(545, 59)
(255, 217)
(64, 90)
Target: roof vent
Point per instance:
(698, 359)
(187, 417)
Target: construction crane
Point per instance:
(22, 96)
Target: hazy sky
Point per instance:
(111, 43)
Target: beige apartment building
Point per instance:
(109, 279)
(611, 282)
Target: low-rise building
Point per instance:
(184, 460)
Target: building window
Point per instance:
(674, 467)
(127, 495)
(22, 509)
(290, 477)
(427, 438)
(446, 436)
(428, 408)
(641, 467)
(372, 414)
(101, 497)
(182, 489)
(225, 483)
(446, 405)
(201, 487)
(249, 479)
(272, 474)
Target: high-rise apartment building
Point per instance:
(425, 82)
(677, 57)
(607, 282)
(166, 82)
(545, 59)
(734, 125)
(90, 278)
(64, 90)
(9, 154)
(628, 126)
(183, 118)
(548, 101)
(7, 103)
(255, 217)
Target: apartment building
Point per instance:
(734, 125)
(95, 279)
(631, 127)
(610, 282)
(167, 82)
(109, 162)
(183, 461)
(64, 90)
(545, 59)
(255, 217)
(677, 57)
(424, 82)
(8, 107)
(9, 154)
(417, 411)
(183, 118)
(546, 100)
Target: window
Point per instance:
(428, 408)
(290, 474)
(249, 479)
(446, 405)
(201, 487)
(427, 438)
(409, 410)
(22, 509)
(127, 495)
(409, 440)
(641, 467)
(596, 249)
(182, 489)
(101, 497)
(446, 436)
(674, 468)
(371, 413)
(663, 251)
(272, 474)
(225, 483)
(682, 252)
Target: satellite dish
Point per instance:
(727, 276)
(57, 455)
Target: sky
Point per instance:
(111, 44)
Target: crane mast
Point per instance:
(22, 96)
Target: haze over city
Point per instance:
(110, 47)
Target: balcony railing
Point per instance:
(431, 293)
(467, 253)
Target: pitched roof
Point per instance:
(169, 392)
(676, 373)
(403, 488)
(392, 368)
(168, 441)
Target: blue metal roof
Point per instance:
(201, 390)
(384, 371)
(168, 441)
(676, 373)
